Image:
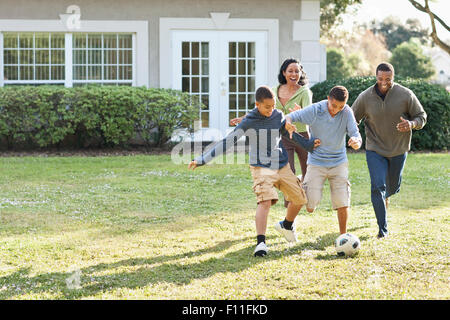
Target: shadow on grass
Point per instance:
(162, 269)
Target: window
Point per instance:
(241, 70)
(40, 58)
(102, 58)
(33, 57)
(195, 75)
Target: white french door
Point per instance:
(221, 68)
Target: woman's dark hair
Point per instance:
(303, 78)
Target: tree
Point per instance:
(395, 32)
(331, 11)
(409, 60)
(337, 66)
(433, 17)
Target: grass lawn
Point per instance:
(141, 227)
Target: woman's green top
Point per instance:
(302, 97)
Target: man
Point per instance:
(390, 112)
(329, 121)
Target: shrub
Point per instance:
(435, 100)
(96, 115)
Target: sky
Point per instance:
(379, 9)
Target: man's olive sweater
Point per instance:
(382, 116)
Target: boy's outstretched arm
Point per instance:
(307, 144)
(220, 147)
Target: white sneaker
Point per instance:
(261, 250)
(288, 234)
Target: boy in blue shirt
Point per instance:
(269, 166)
(329, 120)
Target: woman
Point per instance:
(291, 90)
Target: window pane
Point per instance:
(42, 73)
(79, 73)
(195, 85)
(94, 73)
(195, 68)
(251, 84)
(232, 67)
(94, 41)
(58, 40)
(242, 101)
(195, 50)
(232, 84)
(205, 101)
(125, 56)
(42, 57)
(242, 84)
(94, 56)
(125, 41)
(251, 67)
(250, 101)
(251, 49)
(42, 40)
(205, 67)
(125, 73)
(185, 84)
(205, 119)
(232, 49)
(205, 49)
(10, 40)
(10, 73)
(58, 57)
(242, 70)
(185, 51)
(205, 85)
(11, 57)
(26, 57)
(58, 73)
(26, 40)
(26, 73)
(110, 56)
(110, 72)
(110, 40)
(242, 53)
(185, 67)
(232, 101)
(79, 56)
(79, 40)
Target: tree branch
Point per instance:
(433, 34)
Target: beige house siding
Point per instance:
(286, 11)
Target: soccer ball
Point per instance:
(347, 244)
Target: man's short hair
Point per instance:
(264, 92)
(339, 93)
(385, 66)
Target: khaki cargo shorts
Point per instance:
(339, 185)
(265, 181)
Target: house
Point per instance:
(217, 50)
(441, 62)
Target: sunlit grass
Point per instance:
(141, 227)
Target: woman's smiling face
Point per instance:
(292, 73)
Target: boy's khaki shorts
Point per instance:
(339, 185)
(265, 181)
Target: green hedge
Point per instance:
(48, 116)
(435, 100)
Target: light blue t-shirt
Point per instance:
(330, 130)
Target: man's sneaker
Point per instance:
(261, 249)
(288, 234)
